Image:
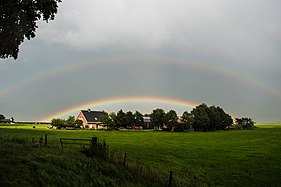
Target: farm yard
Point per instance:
(220, 158)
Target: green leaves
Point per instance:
(210, 118)
(18, 20)
(158, 118)
(245, 123)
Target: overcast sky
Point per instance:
(223, 53)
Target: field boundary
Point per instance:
(77, 142)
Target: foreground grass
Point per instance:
(24, 164)
(222, 158)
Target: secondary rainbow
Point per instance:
(49, 74)
(112, 101)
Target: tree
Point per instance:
(59, 123)
(171, 119)
(201, 118)
(139, 118)
(18, 20)
(215, 118)
(78, 123)
(158, 118)
(228, 121)
(70, 121)
(130, 119)
(112, 116)
(120, 119)
(187, 121)
(107, 120)
(210, 118)
(2, 116)
(245, 123)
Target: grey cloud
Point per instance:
(233, 31)
(240, 37)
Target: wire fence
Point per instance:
(98, 148)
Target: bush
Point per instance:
(179, 128)
(98, 149)
(245, 123)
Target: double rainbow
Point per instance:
(107, 61)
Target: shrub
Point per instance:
(244, 123)
(98, 149)
(179, 128)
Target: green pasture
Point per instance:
(221, 158)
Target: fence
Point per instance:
(77, 142)
(137, 167)
(98, 148)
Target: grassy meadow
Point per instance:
(220, 158)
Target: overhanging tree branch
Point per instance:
(18, 20)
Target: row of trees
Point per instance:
(70, 122)
(201, 118)
(123, 120)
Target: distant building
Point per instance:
(10, 121)
(147, 122)
(5, 121)
(91, 119)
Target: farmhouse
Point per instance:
(91, 119)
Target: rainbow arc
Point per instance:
(111, 101)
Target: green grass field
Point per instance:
(221, 158)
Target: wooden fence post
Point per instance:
(125, 157)
(170, 178)
(46, 139)
(61, 143)
(41, 140)
(94, 141)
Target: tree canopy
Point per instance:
(186, 121)
(171, 119)
(108, 120)
(245, 123)
(2, 116)
(201, 118)
(138, 118)
(210, 118)
(70, 122)
(18, 20)
(120, 119)
(158, 118)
